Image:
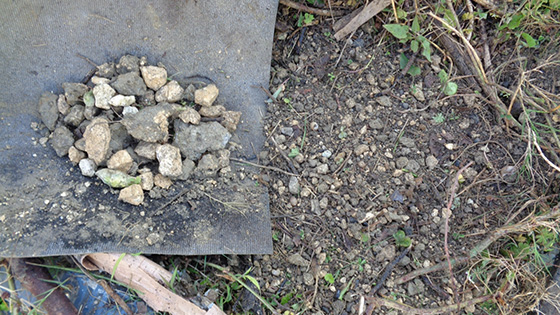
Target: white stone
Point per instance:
(170, 164)
(121, 100)
(129, 110)
(87, 167)
(102, 94)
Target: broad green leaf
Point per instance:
(403, 60)
(397, 30)
(329, 278)
(415, 25)
(401, 14)
(515, 21)
(426, 49)
(414, 45)
(286, 298)
(442, 76)
(89, 99)
(414, 70)
(450, 88)
(531, 42)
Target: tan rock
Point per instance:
(147, 150)
(62, 105)
(97, 137)
(99, 80)
(206, 96)
(154, 77)
(75, 155)
(171, 92)
(121, 161)
(190, 116)
(132, 194)
(212, 111)
(162, 181)
(147, 179)
(231, 120)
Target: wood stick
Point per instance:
(304, 8)
(365, 14)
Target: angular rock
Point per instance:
(62, 105)
(293, 185)
(148, 99)
(384, 101)
(190, 116)
(154, 77)
(162, 181)
(188, 168)
(80, 144)
(48, 110)
(120, 138)
(169, 158)
(102, 94)
(431, 161)
(62, 140)
(418, 93)
(206, 96)
(97, 137)
(99, 80)
(223, 158)
(194, 140)
(150, 124)
(128, 63)
(147, 179)
(129, 110)
(121, 100)
(130, 84)
(171, 92)
(361, 149)
(75, 155)
(298, 260)
(87, 167)
(207, 166)
(121, 161)
(212, 111)
(188, 94)
(231, 120)
(147, 150)
(132, 194)
(75, 116)
(74, 92)
(106, 70)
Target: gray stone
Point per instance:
(80, 144)
(74, 92)
(169, 158)
(431, 161)
(322, 169)
(120, 138)
(207, 166)
(171, 92)
(97, 137)
(130, 84)
(75, 116)
(413, 166)
(206, 96)
(408, 142)
(121, 161)
(288, 131)
(415, 287)
(376, 124)
(223, 158)
(121, 100)
(48, 110)
(384, 101)
(308, 279)
(62, 105)
(190, 116)
(417, 92)
(231, 120)
(188, 169)
(154, 77)
(146, 150)
(106, 70)
(102, 94)
(293, 185)
(212, 111)
(361, 149)
(75, 155)
(129, 110)
(127, 63)
(87, 167)
(150, 124)
(402, 162)
(132, 194)
(193, 140)
(188, 94)
(296, 259)
(62, 140)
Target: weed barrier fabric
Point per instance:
(46, 206)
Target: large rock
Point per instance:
(194, 140)
(206, 96)
(190, 116)
(130, 84)
(121, 161)
(121, 100)
(75, 116)
(154, 77)
(74, 92)
(128, 63)
(48, 110)
(97, 137)
(62, 140)
(149, 124)
(102, 94)
(231, 120)
(132, 194)
(172, 92)
(169, 158)
(146, 150)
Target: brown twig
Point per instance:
(406, 309)
(304, 8)
(286, 158)
(388, 271)
(447, 215)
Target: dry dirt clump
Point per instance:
(135, 129)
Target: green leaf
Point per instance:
(89, 100)
(414, 70)
(414, 45)
(450, 88)
(415, 25)
(253, 281)
(427, 50)
(293, 153)
(329, 278)
(515, 21)
(401, 239)
(403, 60)
(442, 76)
(397, 30)
(286, 298)
(531, 42)
(308, 18)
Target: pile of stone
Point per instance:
(134, 128)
